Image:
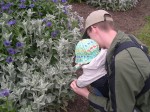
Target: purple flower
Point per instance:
(19, 44)
(69, 26)
(4, 93)
(65, 9)
(6, 43)
(40, 14)
(22, 1)
(9, 4)
(48, 24)
(63, 1)
(11, 51)
(22, 6)
(31, 5)
(2, 3)
(44, 20)
(11, 22)
(54, 33)
(9, 59)
(55, 1)
(5, 7)
(10, 11)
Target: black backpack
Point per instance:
(134, 43)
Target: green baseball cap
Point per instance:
(85, 51)
(96, 17)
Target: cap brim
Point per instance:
(85, 35)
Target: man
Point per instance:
(130, 70)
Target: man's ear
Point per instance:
(93, 29)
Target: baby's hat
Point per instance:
(85, 51)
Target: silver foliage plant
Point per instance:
(119, 5)
(39, 71)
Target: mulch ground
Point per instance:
(128, 22)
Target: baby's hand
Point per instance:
(81, 91)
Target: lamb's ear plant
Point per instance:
(115, 5)
(37, 40)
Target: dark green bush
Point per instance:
(78, 1)
(119, 5)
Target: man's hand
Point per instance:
(81, 91)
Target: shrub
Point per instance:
(114, 5)
(37, 41)
(144, 33)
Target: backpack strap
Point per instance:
(128, 44)
(121, 46)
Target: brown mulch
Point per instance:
(128, 21)
(79, 105)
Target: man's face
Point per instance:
(95, 34)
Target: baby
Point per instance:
(91, 60)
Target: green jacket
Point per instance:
(128, 80)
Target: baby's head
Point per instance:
(85, 51)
